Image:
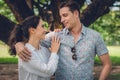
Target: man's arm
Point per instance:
(102, 52)
(105, 59)
(22, 51)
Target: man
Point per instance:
(79, 45)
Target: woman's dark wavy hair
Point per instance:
(20, 33)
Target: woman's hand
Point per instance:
(55, 44)
(57, 30)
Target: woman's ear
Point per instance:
(32, 30)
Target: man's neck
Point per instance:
(76, 31)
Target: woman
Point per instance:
(42, 64)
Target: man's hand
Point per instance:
(22, 51)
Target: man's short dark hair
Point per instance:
(72, 5)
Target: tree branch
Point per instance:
(96, 9)
(20, 9)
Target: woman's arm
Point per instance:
(39, 68)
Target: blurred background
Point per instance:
(100, 15)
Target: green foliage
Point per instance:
(46, 25)
(109, 27)
(4, 10)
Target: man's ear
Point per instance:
(32, 30)
(76, 13)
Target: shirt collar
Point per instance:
(67, 32)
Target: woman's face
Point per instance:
(40, 30)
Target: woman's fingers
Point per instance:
(56, 39)
(55, 44)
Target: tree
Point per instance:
(24, 8)
(109, 27)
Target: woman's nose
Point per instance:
(46, 31)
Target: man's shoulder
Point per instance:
(53, 33)
(50, 33)
(92, 32)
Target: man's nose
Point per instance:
(62, 20)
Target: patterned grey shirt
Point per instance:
(41, 66)
(88, 45)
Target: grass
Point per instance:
(111, 77)
(115, 60)
(115, 76)
(9, 60)
(6, 58)
(114, 52)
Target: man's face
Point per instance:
(67, 17)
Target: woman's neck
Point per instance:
(34, 42)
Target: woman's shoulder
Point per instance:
(30, 47)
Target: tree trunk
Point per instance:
(24, 8)
(96, 9)
(54, 7)
(5, 28)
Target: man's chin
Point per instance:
(67, 27)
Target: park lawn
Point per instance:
(6, 58)
(114, 51)
(4, 55)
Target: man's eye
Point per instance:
(65, 15)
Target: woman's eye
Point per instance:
(43, 25)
